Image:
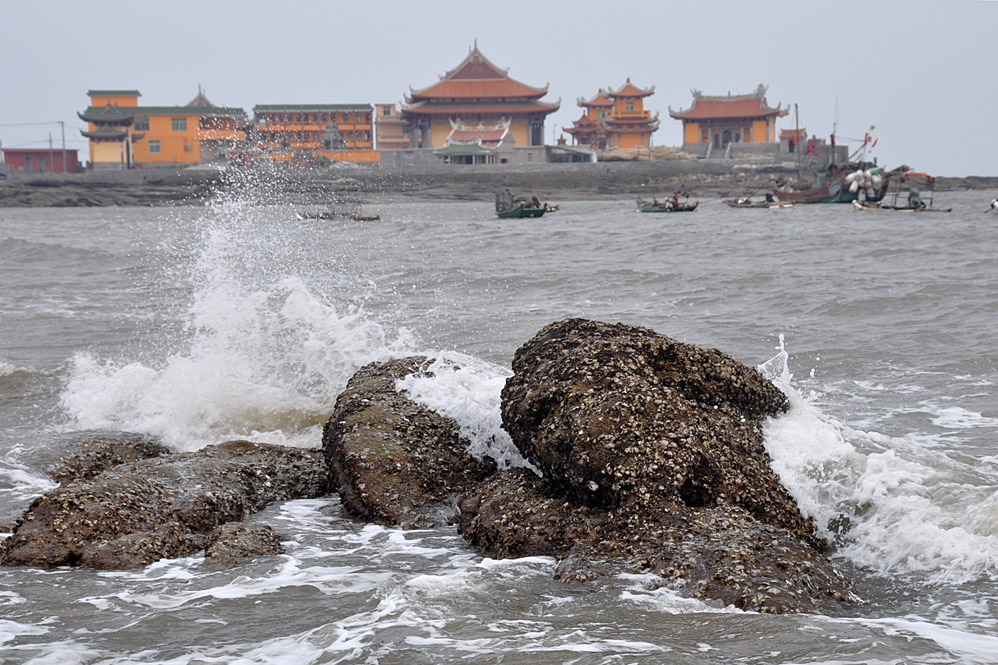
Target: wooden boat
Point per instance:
(914, 202)
(844, 186)
(329, 214)
(671, 204)
(509, 207)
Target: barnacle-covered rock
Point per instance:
(136, 513)
(394, 461)
(652, 452)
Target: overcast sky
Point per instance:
(923, 72)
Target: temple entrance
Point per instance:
(725, 138)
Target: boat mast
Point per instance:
(797, 138)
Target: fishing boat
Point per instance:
(854, 183)
(670, 204)
(509, 207)
(329, 214)
(914, 202)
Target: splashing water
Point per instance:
(890, 504)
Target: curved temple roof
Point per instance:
(476, 78)
(752, 105)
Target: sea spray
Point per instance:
(889, 504)
(262, 353)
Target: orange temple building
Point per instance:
(123, 134)
(291, 132)
(616, 119)
(723, 119)
(476, 92)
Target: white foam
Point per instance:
(467, 390)
(909, 508)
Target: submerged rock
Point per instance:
(136, 513)
(652, 458)
(394, 461)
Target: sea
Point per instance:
(237, 319)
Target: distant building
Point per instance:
(41, 160)
(476, 91)
(590, 129)
(616, 119)
(723, 119)
(390, 128)
(292, 132)
(123, 134)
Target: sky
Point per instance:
(922, 73)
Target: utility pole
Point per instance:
(63, 125)
(51, 158)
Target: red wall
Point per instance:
(18, 159)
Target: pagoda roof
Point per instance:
(645, 124)
(468, 108)
(113, 93)
(599, 99)
(476, 77)
(632, 120)
(200, 99)
(107, 114)
(707, 107)
(101, 113)
(630, 90)
(106, 132)
(312, 107)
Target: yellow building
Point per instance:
(616, 119)
(722, 119)
(123, 134)
(476, 92)
(301, 132)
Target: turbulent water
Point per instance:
(200, 325)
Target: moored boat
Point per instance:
(670, 204)
(914, 202)
(747, 202)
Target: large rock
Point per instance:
(395, 462)
(136, 513)
(652, 459)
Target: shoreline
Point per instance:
(372, 184)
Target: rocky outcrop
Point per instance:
(652, 459)
(136, 513)
(394, 461)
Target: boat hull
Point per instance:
(651, 207)
(521, 211)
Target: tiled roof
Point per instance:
(631, 90)
(599, 99)
(113, 93)
(312, 107)
(109, 113)
(477, 78)
(100, 113)
(105, 132)
(752, 105)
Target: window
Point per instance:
(386, 110)
(630, 106)
(179, 124)
(154, 147)
(142, 124)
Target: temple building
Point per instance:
(590, 129)
(616, 119)
(301, 132)
(123, 134)
(476, 92)
(719, 120)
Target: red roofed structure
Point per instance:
(723, 119)
(615, 119)
(476, 92)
